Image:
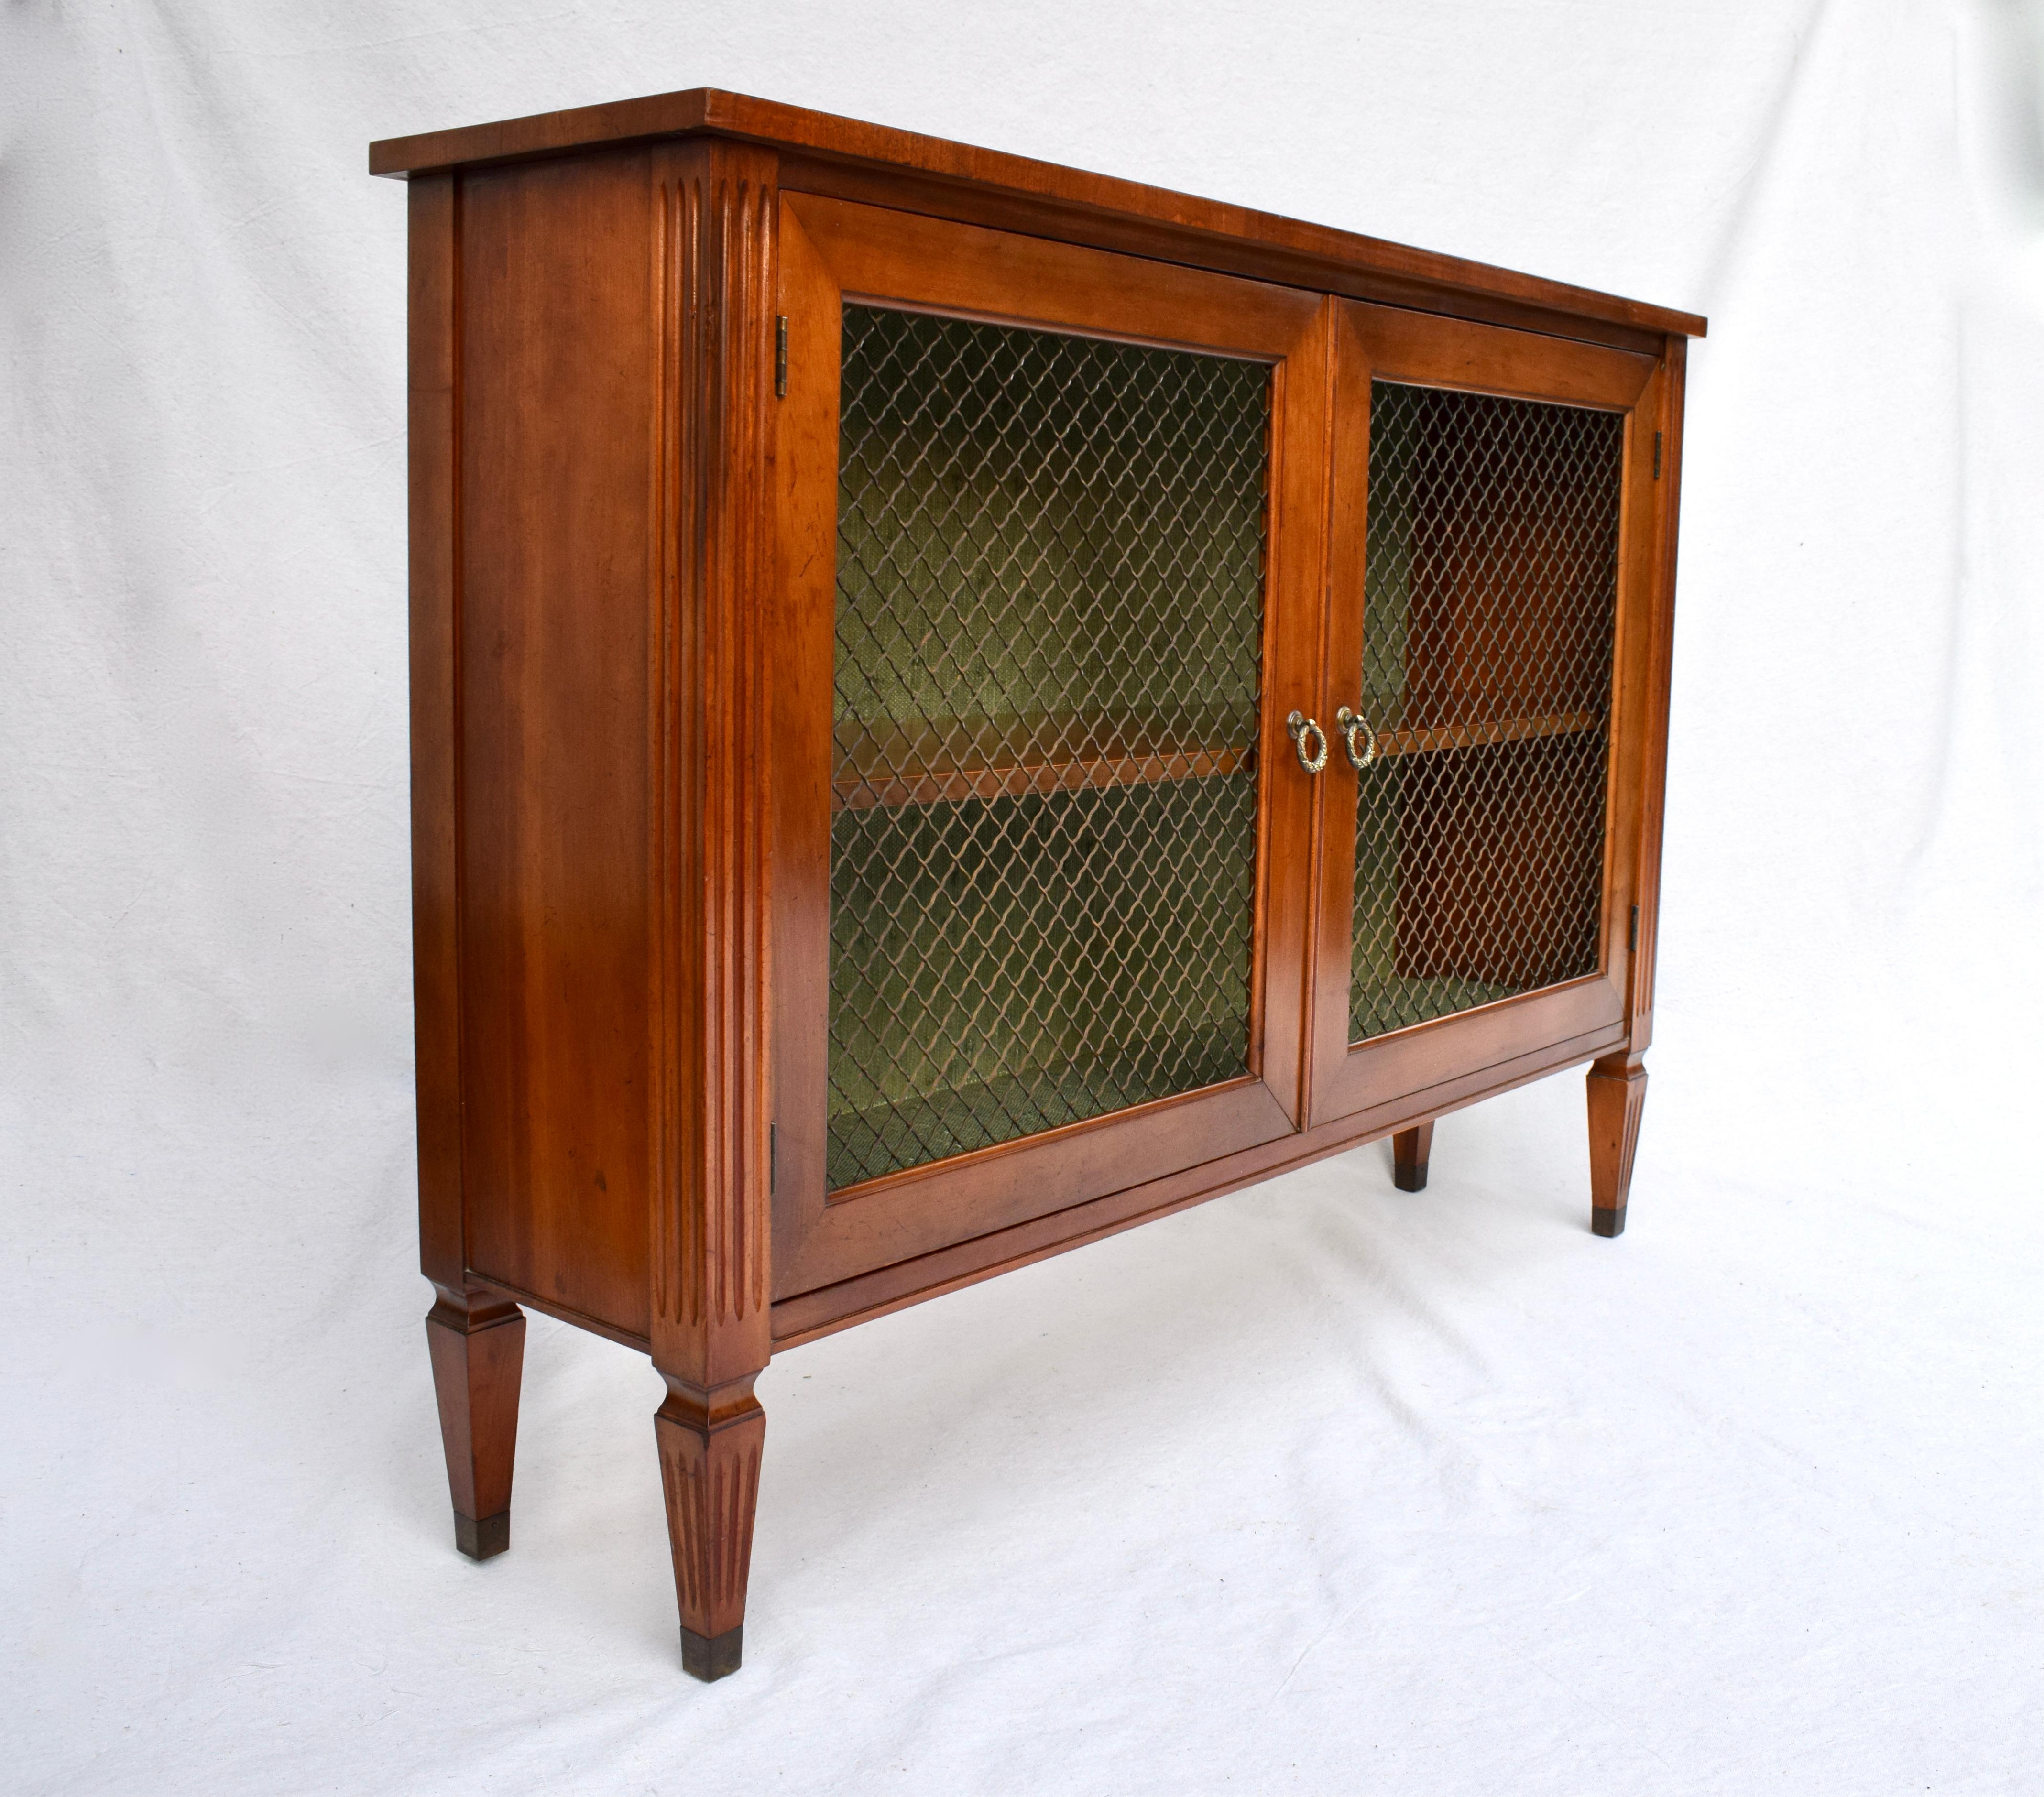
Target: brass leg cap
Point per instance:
(481, 1540)
(710, 1657)
(1608, 1221)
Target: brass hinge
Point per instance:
(781, 375)
(1632, 935)
(1656, 434)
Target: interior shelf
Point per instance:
(1431, 739)
(940, 761)
(943, 761)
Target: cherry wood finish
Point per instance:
(972, 758)
(1641, 786)
(709, 1471)
(624, 533)
(814, 1314)
(477, 1340)
(712, 291)
(431, 354)
(855, 160)
(830, 250)
(553, 526)
(1375, 342)
(1411, 1149)
(1617, 1096)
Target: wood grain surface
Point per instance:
(1180, 225)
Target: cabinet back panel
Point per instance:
(1050, 566)
(556, 386)
(1490, 599)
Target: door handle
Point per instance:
(1347, 724)
(1299, 727)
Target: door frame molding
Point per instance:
(1375, 342)
(833, 251)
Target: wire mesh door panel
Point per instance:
(1045, 718)
(1490, 602)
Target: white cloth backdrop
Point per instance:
(1321, 1488)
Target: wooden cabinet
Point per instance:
(958, 706)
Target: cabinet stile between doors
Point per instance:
(959, 706)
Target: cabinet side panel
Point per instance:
(1654, 778)
(556, 386)
(436, 935)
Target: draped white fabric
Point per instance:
(1322, 1487)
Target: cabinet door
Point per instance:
(1490, 549)
(1049, 533)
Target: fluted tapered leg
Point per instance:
(710, 1442)
(478, 1343)
(1410, 1151)
(1617, 1096)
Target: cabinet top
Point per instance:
(1126, 214)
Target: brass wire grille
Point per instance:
(1049, 584)
(1490, 598)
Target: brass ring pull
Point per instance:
(1347, 724)
(1298, 728)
